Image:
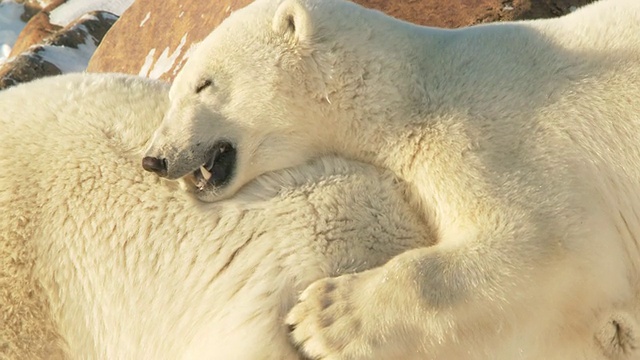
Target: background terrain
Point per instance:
(153, 38)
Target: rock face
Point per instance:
(66, 50)
(154, 40)
(457, 13)
(162, 34)
(37, 29)
(33, 7)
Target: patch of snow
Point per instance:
(185, 57)
(5, 51)
(73, 9)
(507, 6)
(68, 59)
(146, 17)
(573, 8)
(181, 14)
(10, 26)
(165, 62)
(89, 17)
(148, 63)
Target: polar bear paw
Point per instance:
(328, 323)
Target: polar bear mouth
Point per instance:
(217, 170)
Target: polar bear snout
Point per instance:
(155, 164)
(204, 172)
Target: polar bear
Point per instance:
(101, 260)
(519, 142)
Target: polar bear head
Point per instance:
(260, 93)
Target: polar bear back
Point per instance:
(124, 265)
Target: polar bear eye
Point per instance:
(203, 85)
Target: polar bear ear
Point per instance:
(292, 19)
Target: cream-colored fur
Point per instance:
(520, 142)
(116, 264)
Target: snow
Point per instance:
(185, 57)
(68, 59)
(148, 63)
(155, 69)
(5, 50)
(72, 9)
(146, 17)
(75, 60)
(10, 26)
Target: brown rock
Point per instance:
(158, 33)
(449, 14)
(49, 5)
(65, 51)
(26, 67)
(89, 27)
(41, 4)
(36, 30)
(33, 7)
(538, 9)
(458, 13)
(140, 42)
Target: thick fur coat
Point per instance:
(100, 260)
(519, 142)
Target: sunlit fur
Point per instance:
(519, 142)
(102, 260)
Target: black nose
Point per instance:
(154, 164)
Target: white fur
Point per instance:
(520, 144)
(134, 268)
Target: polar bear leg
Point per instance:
(481, 298)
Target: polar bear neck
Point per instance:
(405, 91)
(366, 128)
(385, 99)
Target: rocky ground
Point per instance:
(457, 13)
(153, 38)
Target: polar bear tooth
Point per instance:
(205, 173)
(201, 184)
